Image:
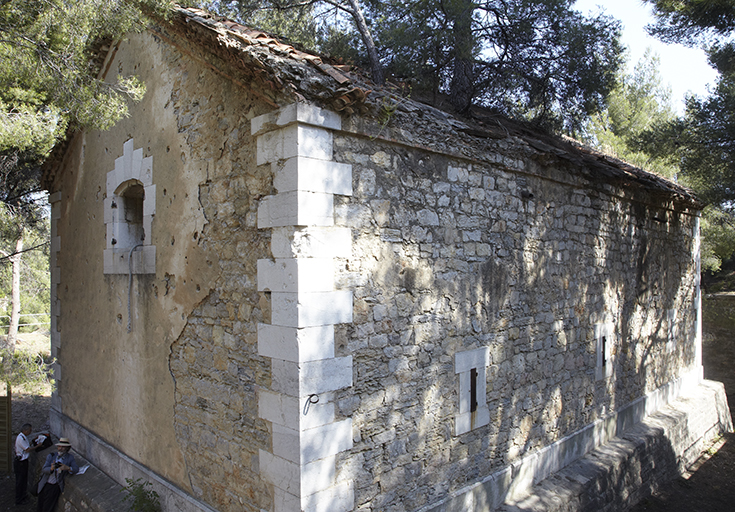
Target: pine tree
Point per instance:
(639, 102)
(535, 59)
(702, 142)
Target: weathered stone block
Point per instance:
(308, 445)
(294, 344)
(311, 377)
(296, 209)
(299, 112)
(312, 175)
(311, 242)
(288, 410)
(339, 498)
(298, 479)
(311, 309)
(293, 141)
(296, 275)
(149, 207)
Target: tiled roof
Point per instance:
(286, 74)
(279, 66)
(308, 76)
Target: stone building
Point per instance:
(275, 287)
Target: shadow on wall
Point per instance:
(522, 277)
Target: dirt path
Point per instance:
(711, 488)
(34, 410)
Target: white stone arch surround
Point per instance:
(128, 219)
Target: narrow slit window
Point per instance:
(672, 333)
(473, 390)
(470, 367)
(605, 342)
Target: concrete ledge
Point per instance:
(620, 457)
(87, 446)
(628, 468)
(93, 491)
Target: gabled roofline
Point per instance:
(286, 75)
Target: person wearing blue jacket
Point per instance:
(55, 469)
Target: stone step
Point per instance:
(623, 471)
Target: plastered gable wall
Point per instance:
(176, 394)
(453, 255)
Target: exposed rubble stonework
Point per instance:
(451, 257)
(348, 300)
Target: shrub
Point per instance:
(142, 499)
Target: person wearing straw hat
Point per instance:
(55, 469)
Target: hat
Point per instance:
(63, 442)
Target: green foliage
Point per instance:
(702, 142)
(48, 81)
(638, 102)
(45, 59)
(341, 43)
(536, 59)
(35, 278)
(142, 499)
(692, 21)
(26, 369)
(718, 228)
(293, 22)
(27, 128)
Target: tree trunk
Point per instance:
(15, 296)
(462, 87)
(376, 68)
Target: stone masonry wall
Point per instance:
(176, 393)
(215, 362)
(494, 263)
(452, 255)
(174, 399)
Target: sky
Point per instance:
(683, 69)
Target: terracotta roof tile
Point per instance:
(302, 76)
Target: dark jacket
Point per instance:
(67, 459)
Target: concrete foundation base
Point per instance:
(631, 466)
(611, 477)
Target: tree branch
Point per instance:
(15, 253)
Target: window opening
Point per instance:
(130, 206)
(131, 231)
(671, 333)
(470, 367)
(473, 390)
(605, 343)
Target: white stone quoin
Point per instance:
(55, 202)
(297, 142)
